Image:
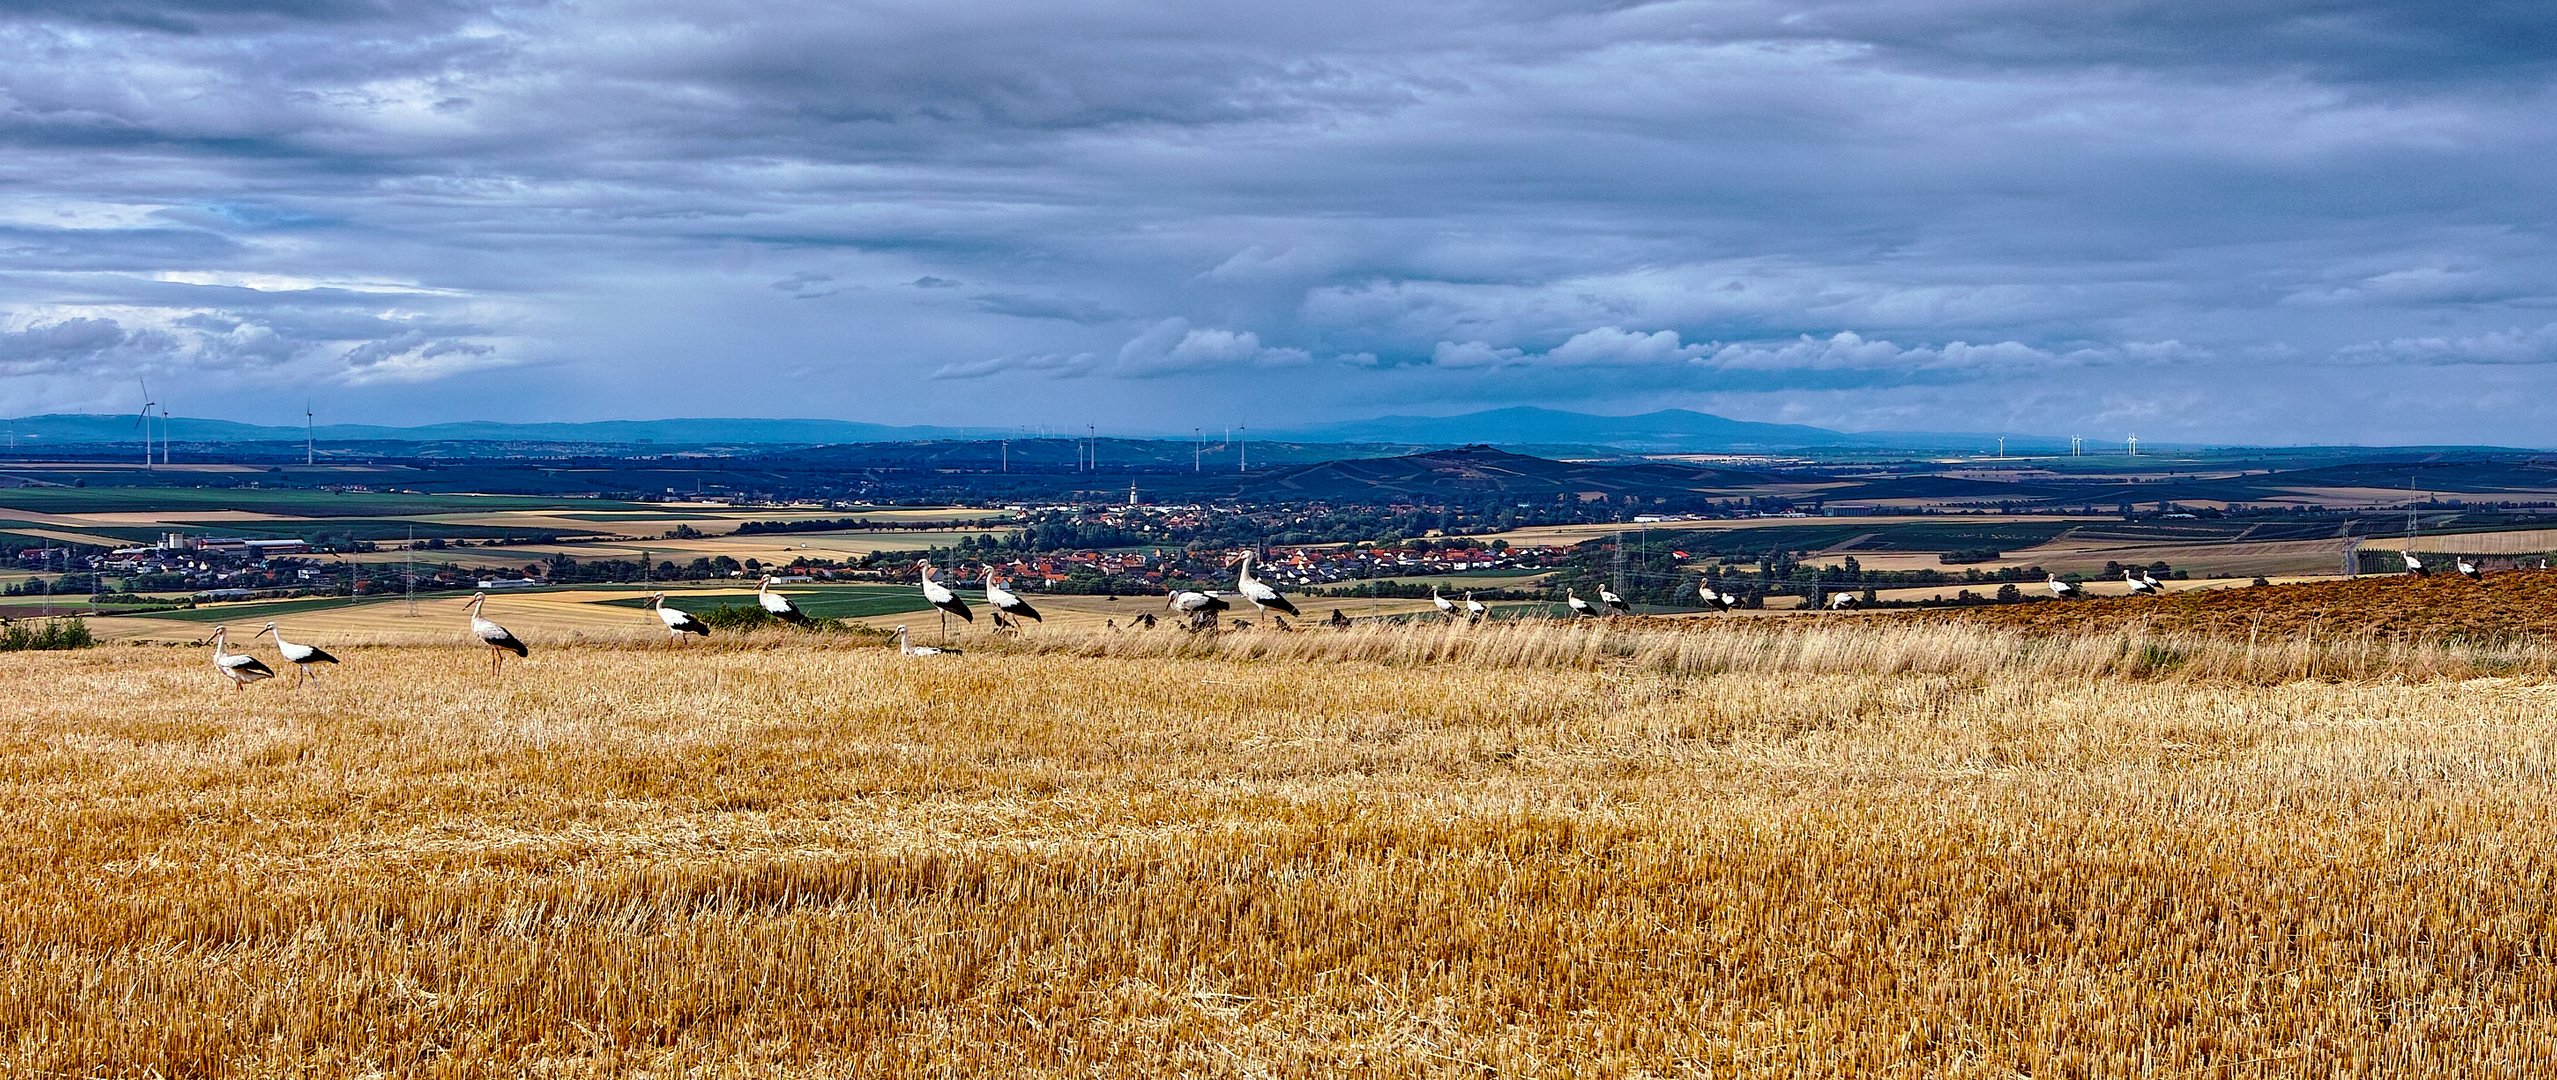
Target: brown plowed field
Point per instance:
(2444, 605)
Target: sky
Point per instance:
(2282, 221)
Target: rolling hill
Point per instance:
(1485, 471)
(1668, 430)
(89, 429)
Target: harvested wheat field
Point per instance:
(1779, 847)
(2444, 605)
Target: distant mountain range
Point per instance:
(1665, 431)
(1486, 471)
(73, 429)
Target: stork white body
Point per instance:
(2152, 582)
(499, 641)
(777, 605)
(1259, 592)
(2060, 588)
(940, 597)
(1201, 608)
(2414, 565)
(678, 622)
(2470, 570)
(1007, 603)
(1474, 609)
(303, 657)
(2139, 587)
(241, 668)
(1446, 606)
(1844, 601)
(1614, 602)
(904, 648)
(1578, 606)
(1715, 600)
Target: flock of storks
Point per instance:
(1200, 609)
(1009, 610)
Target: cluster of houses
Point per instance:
(1298, 567)
(218, 567)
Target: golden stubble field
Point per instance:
(1780, 848)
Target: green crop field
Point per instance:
(249, 611)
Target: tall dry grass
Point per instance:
(1810, 645)
(1506, 851)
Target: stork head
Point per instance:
(269, 628)
(900, 631)
(656, 599)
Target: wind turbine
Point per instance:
(143, 421)
(310, 436)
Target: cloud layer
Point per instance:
(2265, 223)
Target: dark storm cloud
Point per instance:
(2217, 221)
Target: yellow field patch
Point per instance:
(1772, 847)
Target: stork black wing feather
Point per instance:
(318, 656)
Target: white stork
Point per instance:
(1714, 600)
(1259, 592)
(2414, 565)
(302, 656)
(1008, 603)
(940, 596)
(1614, 602)
(1446, 606)
(241, 668)
(2469, 570)
(905, 648)
(496, 637)
(2152, 582)
(1845, 601)
(1578, 606)
(678, 622)
(2060, 588)
(1200, 607)
(2138, 586)
(1474, 609)
(777, 605)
